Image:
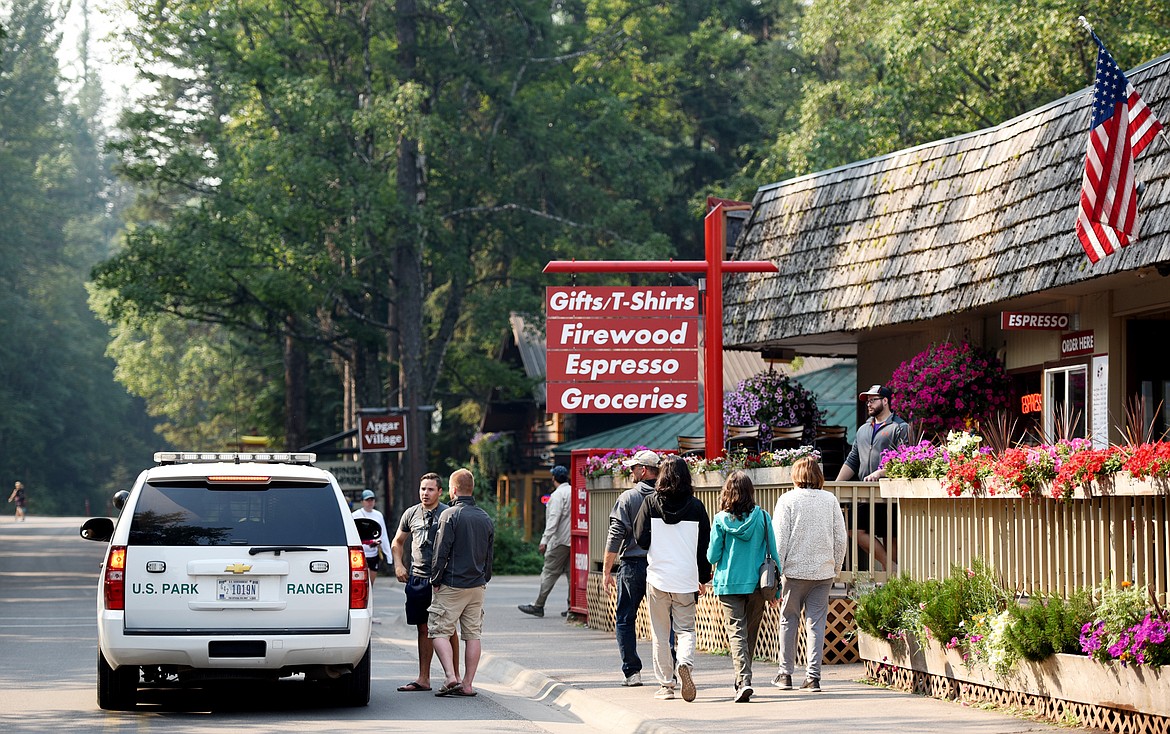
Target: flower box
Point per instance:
(1120, 484)
(1075, 678)
(761, 477)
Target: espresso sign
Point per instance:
(622, 350)
(1015, 320)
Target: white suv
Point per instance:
(232, 566)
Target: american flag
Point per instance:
(1122, 127)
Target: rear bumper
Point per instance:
(283, 648)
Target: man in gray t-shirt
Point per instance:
(420, 524)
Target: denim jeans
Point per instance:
(631, 589)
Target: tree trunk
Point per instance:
(408, 277)
(296, 401)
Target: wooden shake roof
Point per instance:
(939, 229)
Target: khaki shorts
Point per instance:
(450, 605)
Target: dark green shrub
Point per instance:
(966, 593)
(884, 610)
(512, 555)
(1049, 625)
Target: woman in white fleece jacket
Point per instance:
(810, 542)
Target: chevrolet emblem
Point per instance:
(238, 568)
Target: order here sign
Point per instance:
(622, 349)
(381, 433)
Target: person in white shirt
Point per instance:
(371, 546)
(554, 544)
(810, 546)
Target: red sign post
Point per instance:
(713, 267)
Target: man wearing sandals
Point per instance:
(420, 524)
(460, 570)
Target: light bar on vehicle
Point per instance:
(197, 457)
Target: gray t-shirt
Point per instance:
(422, 525)
(872, 439)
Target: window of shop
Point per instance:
(1066, 394)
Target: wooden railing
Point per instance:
(857, 499)
(1041, 546)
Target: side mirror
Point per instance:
(120, 498)
(368, 529)
(100, 529)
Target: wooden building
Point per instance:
(880, 258)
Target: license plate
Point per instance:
(237, 590)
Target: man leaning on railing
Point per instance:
(882, 430)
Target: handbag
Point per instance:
(769, 569)
(769, 573)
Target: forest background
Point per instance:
(313, 207)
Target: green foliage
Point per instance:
(68, 431)
(513, 555)
(964, 594)
(884, 610)
(1049, 625)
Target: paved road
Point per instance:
(48, 653)
(537, 675)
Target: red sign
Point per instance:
(630, 397)
(621, 301)
(1014, 320)
(625, 333)
(622, 350)
(381, 433)
(615, 366)
(1077, 343)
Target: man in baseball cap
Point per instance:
(882, 430)
(631, 574)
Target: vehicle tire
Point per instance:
(356, 691)
(117, 690)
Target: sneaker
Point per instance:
(688, 683)
(633, 680)
(533, 610)
(565, 613)
(665, 693)
(743, 695)
(783, 682)
(811, 684)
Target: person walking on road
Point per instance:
(420, 524)
(554, 544)
(810, 547)
(18, 496)
(741, 538)
(461, 568)
(673, 527)
(620, 547)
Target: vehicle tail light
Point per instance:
(115, 578)
(359, 578)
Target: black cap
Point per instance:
(560, 473)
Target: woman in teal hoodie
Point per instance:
(740, 536)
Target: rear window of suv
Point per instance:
(195, 513)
